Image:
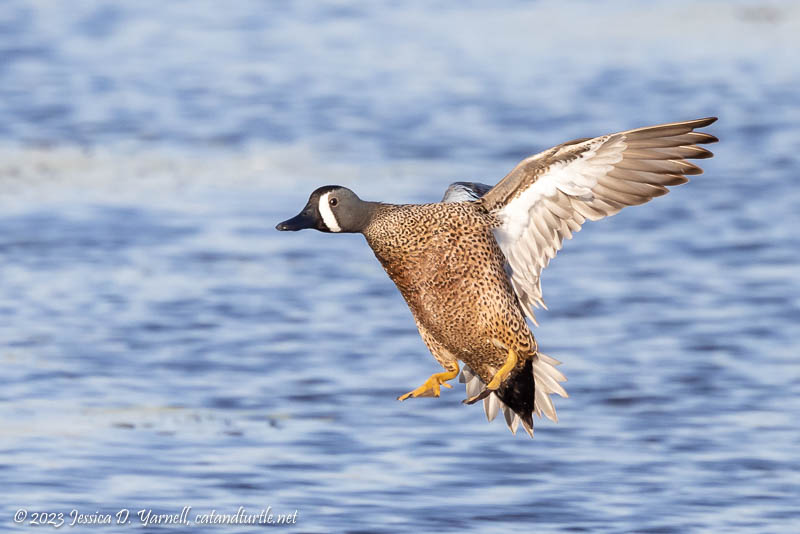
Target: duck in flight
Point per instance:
(469, 267)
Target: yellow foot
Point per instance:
(431, 386)
(497, 379)
(504, 371)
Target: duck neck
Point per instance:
(366, 213)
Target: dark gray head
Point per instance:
(331, 208)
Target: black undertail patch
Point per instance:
(517, 392)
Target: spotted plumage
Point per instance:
(469, 266)
(455, 262)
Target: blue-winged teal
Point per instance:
(469, 266)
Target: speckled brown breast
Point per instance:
(448, 266)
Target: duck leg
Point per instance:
(499, 376)
(430, 388)
(504, 371)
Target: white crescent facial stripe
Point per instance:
(327, 213)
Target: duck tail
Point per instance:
(523, 394)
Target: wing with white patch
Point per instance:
(547, 197)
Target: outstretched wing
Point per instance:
(547, 197)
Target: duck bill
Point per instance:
(298, 222)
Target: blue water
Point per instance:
(162, 346)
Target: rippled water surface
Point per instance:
(163, 346)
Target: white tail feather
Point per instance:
(491, 405)
(466, 375)
(546, 382)
(511, 419)
(474, 386)
(546, 379)
(548, 359)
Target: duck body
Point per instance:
(450, 270)
(469, 267)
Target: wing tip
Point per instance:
(707, 137)
(705, 121)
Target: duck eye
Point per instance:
(334, 201)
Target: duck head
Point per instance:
(331, 208)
